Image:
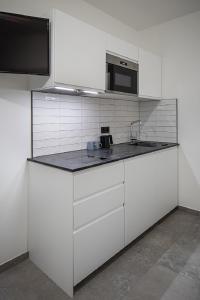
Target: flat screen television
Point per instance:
(24, 44)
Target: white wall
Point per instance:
(64, 123)
(15, 123)
(14, 149)
(179, 43)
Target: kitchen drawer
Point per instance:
(97, 205)
(97, 242)
(98, 179)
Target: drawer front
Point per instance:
(94, 244)
(95, 206)
(98, 179)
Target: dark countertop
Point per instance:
(83, 159)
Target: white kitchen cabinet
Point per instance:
(78, 221)
(97, 242)
(96, 179)
(95, 206)
(150, 75)
(121, 48)
(150, 190)
(77, 55)
(50, 223)
(79, 52)
(98, 217)
(167, 180)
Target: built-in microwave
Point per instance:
(121, 74)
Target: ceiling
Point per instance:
(142, 14)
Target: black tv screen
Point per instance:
(24, 44)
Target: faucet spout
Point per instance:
(135, 122)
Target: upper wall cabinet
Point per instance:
(150, 70)
(121, 48)
(78, 52)
(77, 55)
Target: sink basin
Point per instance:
(148, 144)
(145, 144)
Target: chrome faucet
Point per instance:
(135, 135)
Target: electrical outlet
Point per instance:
(105, 129)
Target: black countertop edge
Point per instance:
(101, 162)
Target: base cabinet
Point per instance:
(150, 190)
(96, 243)
(79, 221)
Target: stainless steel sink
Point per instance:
(148, 144)
(144, 144)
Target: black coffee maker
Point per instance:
(106, 141)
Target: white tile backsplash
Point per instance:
(66, 123)
(158, 120)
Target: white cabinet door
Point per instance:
(94, 180)
(97, 242)
(97, 205)
(167, 180)
(79, 52)
(139, 195)
(121, 48)
(50, 223)
(150, 72)
(150, 190)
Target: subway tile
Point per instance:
(66, 123)
(70, 105)
(90, 113)
(70, 120)
(46, 112)
(90, 119)
(45, 104)
(87, 100)
(107, 113)
(68, 126)
(66, 112)
(69, 99)
(69, 140)
(107, 107)
(67, 148)
(46, 120)
(90, 106)
(92, 125)
(46, 151)
(46, 143)
(69, 133)
(45, 127)
(89, 132)
(45, 135)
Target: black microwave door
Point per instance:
(123, 79)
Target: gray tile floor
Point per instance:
(164, 264)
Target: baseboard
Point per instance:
(190, 210)
(11, 263)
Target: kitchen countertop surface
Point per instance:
(83, 159)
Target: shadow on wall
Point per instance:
(189, 186)
(13, 82)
